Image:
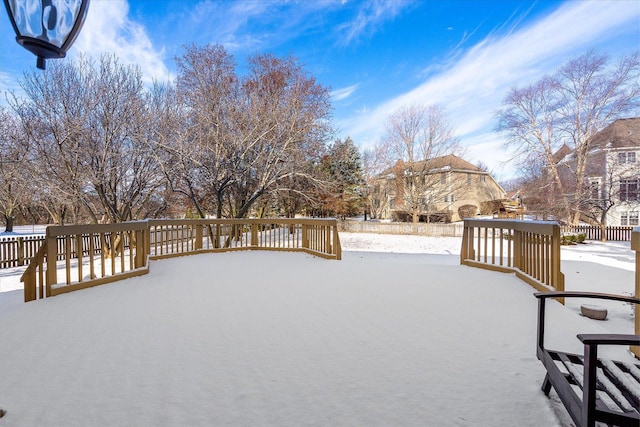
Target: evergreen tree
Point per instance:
(342, 167)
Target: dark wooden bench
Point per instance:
(592, 389)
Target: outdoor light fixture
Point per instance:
(47, 28)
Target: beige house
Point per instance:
(442, 189)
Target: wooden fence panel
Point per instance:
(426, 229)
(613, 233)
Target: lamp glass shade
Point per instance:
(47, 27)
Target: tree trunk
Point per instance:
(9, 221)
(603, 227)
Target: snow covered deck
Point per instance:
(283, 339)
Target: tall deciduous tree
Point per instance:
(15, 183)
(415, 136)
(206, 145)
(87, 123)
(286, 119)
(569, 108)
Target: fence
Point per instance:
(78, 257)
(612, 233)
(531, 249)
(422, 228)
(18, 251)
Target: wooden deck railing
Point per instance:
(531, 249)
(635, 246)
(78, 257)
(170, 238)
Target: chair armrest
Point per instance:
(596, 295)
(609, 339)
(543, 296)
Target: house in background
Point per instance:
(612, 175)
(613, 170)
(442, 189)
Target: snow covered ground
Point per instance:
(395, 334)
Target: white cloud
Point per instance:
(344, 93)
(108, 29)
(371, 15)
(472, 88)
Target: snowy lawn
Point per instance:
(395, 334)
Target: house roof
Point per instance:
(449, 161)
(619, 134)
(562, 152)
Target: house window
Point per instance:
(449, 198)
(483, 178)
(629, 218)
(468, 178)
(629, 190)
(443, 178)
(627, 157)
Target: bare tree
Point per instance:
(416, 136)
(206, 142)
(120, 164)
(88, 123)
(229, 141)
(286, 118)
(374, 161)
(53, 116)
(15, 184)
(569, 108)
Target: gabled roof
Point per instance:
(562, 152)
(447, 162)
(619, 134)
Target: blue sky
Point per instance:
(374, 55)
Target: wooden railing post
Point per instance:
(467, 251)
(140, 248)
(29, 280)
(198, 243)
(518, 249)
(254, 234)
(557, 278)
(52, 255)
(337, 247)
(635, 245)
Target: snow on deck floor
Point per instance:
(281, 339)
(286, 339)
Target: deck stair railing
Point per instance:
(530, 249)
(635, 246)
(78, 257)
